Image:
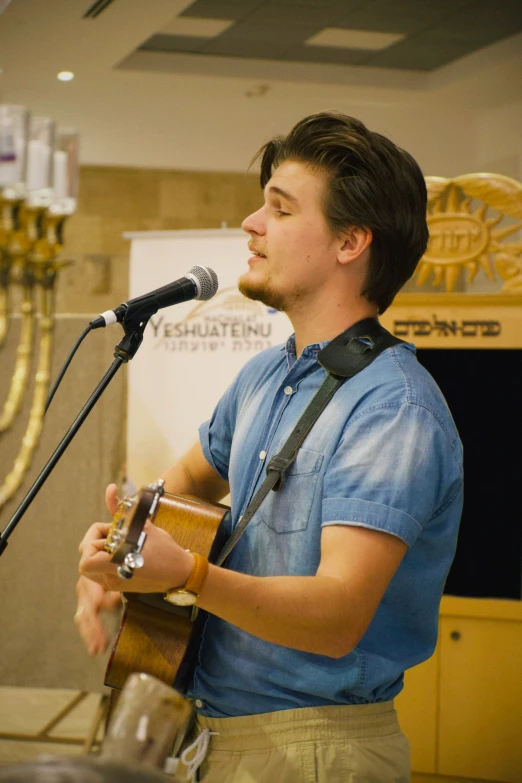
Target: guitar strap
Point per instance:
(343, 357)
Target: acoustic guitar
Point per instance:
(156, 637)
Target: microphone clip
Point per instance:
(132, 339)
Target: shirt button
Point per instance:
(288, 391)
(262, 454)
(199, 704)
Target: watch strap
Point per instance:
(196, 578)
(198, 575)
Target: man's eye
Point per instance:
(280, 212)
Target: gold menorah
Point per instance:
(31, 238)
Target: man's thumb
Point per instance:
(111, 498)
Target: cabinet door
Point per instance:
(480, 719)
(416, 707)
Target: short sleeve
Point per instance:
(215, 435)
(394, 470)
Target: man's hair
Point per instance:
(372, 184)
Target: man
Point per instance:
(334, 588)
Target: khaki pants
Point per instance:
(359, 744)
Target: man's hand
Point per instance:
(167, 565)
(111, 499)
(92, 599)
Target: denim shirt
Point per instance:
(384, 455)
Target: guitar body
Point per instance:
(155, 637)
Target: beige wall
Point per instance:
(38, 571)
(115, 200)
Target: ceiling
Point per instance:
(208, 106)
(419, 35)
(411, 44)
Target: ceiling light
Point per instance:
(65, 76)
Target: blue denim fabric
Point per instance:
(384, 454)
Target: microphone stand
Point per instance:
(124, 351)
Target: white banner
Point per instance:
(191, 352)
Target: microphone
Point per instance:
(200, 282)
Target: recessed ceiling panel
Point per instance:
(420, 53)
(196, 26)
(174, 43)
(273, 12)
(342, 38)
(221, 9)
(326, 54)
(418, 35)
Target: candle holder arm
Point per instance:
(124, 351)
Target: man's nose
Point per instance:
(254, 223)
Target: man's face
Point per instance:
(297, 250)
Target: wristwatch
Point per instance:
(189, 593)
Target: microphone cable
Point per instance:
(66, 365)
(204, 284)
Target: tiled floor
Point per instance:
(58, 722)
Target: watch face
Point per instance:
(183, 598)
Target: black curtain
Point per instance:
(483, 389)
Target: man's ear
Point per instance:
(353, 244)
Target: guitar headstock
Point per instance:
(126, 535)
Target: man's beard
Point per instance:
(261, 292)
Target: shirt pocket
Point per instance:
(288, 509)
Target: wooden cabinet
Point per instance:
(462, 709)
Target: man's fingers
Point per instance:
(91, 630)
(111, 600)
(89, 592)
(95, 560)
(111, 498)
(91, 598)
(96, 532)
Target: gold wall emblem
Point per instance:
(466, 236)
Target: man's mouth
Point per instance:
(256, 252)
